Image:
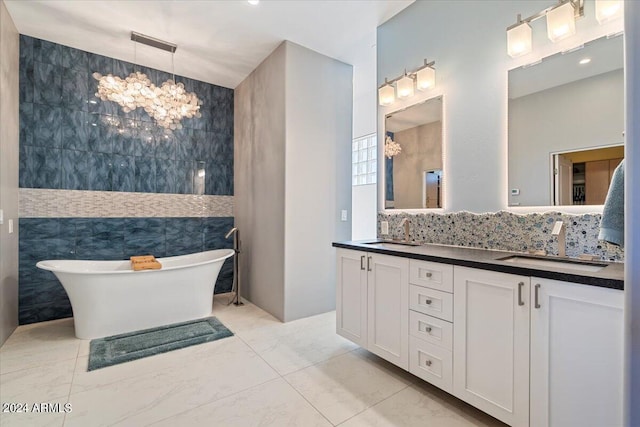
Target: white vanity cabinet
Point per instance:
(372, 303)
(576, 355)
(491, 343)
(528, 351)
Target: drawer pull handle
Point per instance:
(428, 329)
(520, 286)
(429, 274)
(428, 363)
(428, 302)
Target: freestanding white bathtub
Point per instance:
(109, 298)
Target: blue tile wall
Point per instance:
(72, 140)
(42, 297)
(69, 139)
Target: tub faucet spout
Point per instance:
(233, 230)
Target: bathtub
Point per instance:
(109, 298)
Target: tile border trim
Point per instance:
(48, 203)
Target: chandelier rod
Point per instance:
(153, 42)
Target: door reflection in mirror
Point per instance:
(583, 177)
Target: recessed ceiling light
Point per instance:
(585, 61)
(254, 2)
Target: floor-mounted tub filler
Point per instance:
(109, 298)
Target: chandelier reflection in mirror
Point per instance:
(391, 148)
(167, 104)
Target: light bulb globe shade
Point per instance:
(608, 10)
(519, 40)
(426, 78)
(561, 22)
(386, 95)
(405, 87)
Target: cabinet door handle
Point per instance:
(429, 274)
(362, 262)
(428, 329)
(520, 286)
(428, 302)
(368, 263)
(537, 296)
(428, 363)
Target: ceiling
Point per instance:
(219, 42)
(416, 115)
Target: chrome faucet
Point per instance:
(405, 223)
(560, 230)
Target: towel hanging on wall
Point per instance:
(612, 224)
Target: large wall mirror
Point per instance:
(413, 157)
(566, 122)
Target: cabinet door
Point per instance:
(351, 296)
(576, 355)
(388, 296)
(491, 343)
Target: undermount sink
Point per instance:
(392, 242)
(554, 262)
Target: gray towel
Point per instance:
(612, 224)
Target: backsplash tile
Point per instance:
(505, 231)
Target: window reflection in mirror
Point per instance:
(562, 111)
(413, 157)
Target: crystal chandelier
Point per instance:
(167, 104)
(391, 148)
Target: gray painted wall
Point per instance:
(292, 178)
(471, 72)
(259, 178)
(632, 220)
(539, 125)
(9, 128)
(319, 100)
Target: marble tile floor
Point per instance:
(269, 374)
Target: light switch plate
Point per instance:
(343, 215)
(384, 227)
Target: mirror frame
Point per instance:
(523, 63)
(382, 114)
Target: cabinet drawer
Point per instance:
(431, 363)
(429, 301)
(431, 275)
(430, 329)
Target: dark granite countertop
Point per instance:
(611, 276)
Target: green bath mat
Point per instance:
(123, 348)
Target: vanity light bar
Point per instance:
(424, 77)
(560, 24)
